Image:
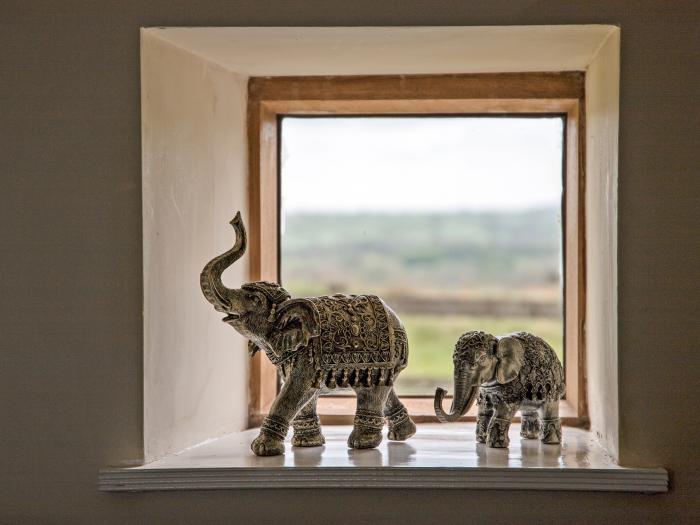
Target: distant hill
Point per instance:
(324, 252)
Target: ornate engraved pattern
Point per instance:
(369, 420)
(473, 346)
(542, 374)
(306, 426)
(354, 332)
(397, 417)
(497, 434)
(530, 427)
(482, 425)
(541, 377)
(275, 426)
(551, 431)
(400, 345)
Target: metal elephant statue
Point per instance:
(506, 373)
(316, 343)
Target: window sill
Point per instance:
(439, 456)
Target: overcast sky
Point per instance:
(420, 164)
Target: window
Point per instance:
(541, 287)
(454, 220)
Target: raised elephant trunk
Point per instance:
(210, 279)
(466, 388)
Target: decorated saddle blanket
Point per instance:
(355, 333)
(541, 377)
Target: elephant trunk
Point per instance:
(210, 279)
(466, 388)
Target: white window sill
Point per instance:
(438, 456)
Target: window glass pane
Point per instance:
(454, 221)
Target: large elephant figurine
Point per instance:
(506, 373)
(316, 343)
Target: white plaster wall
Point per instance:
(602, 128)
(194, 179)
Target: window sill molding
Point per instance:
(438, 457)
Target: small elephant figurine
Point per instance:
(509, 372)
(316, 343)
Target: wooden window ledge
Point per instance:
(438, 456)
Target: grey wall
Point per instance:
(70, 226)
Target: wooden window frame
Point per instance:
(558, 93)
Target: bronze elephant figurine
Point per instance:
(317, 343)
(508, 373)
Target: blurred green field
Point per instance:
(431, 340)
(426, 258)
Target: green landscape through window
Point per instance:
(455, 221)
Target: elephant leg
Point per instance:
(530, 425)
(307, 425)
(483, 418)
(497, 432)
(295, 393)
(369, 416)
(550, 433)
(401, 427)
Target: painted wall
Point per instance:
(602, 130)
(70, 221)
(195, 178)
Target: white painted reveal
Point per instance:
(602, 128)
(194, 179)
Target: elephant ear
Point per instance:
(511, 357)
(297, 322)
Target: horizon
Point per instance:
(540, 209)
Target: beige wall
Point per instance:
(70, 219)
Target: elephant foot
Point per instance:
(530, 428)
(364, 438)
(270, 442)
(368, 430)
(308, 440)
(265, 445)
(550, 434)
(482, 425)
(307, 432)
(401, 427)
(497, 436)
